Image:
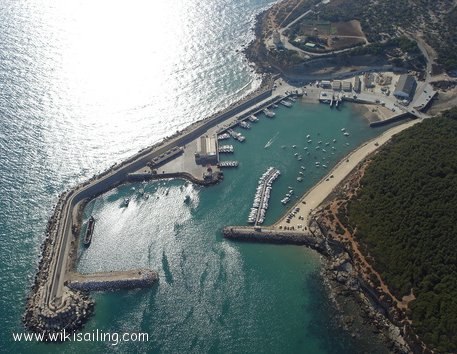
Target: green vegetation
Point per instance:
(405, 217)
(395, 50)
(382, 20)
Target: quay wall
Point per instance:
(394, 119)
(254, 110)
(357, 100)
(141, 278)
(140, 177)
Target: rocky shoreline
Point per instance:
(345, 286)
(345, 276)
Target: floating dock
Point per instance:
(262, 196)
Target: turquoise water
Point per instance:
(215, 295)
(86, 84)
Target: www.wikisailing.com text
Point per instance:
(95, 336)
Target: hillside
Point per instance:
(404, 217)
(436, 21)
(388, 32)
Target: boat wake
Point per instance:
(271, 141)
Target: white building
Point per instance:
(406, 87)
(207, 151)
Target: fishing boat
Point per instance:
(89, 231)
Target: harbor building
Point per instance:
(207, 150)
(336, 85)
(326, 84)
(357, 84)
(406, 86)
(346, 86)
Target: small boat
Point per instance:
(299, 179)
(343, 129)
(346, 134)
(334, 140)
(269, 113)
(308, 136)
(294, 146)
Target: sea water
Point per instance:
(216, 295)
(86, 84)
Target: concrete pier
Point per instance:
(271, 235)
(138, 278)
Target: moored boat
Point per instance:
(89, 231)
